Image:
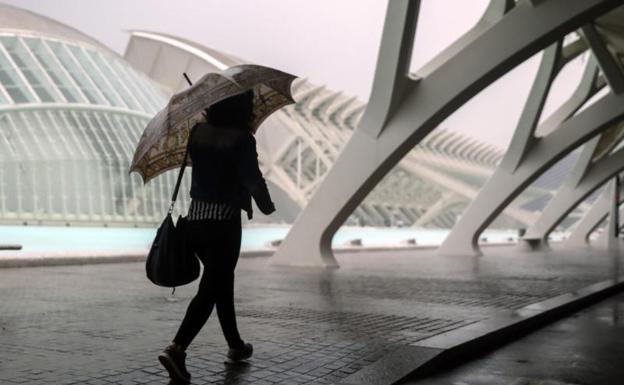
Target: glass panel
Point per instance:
(83, 171)
(159, 98)
(32, 72)
(118, 165)
(54, 70)
(38, 139)
(113, 78)
(10, 168)
(39, 167)
(107, 132)
(95, 75)
(3, 99)
(76, 73)
(18, 137)
(137, 199)
(98, 167)
(56, 165)
(82, 140)
(29, 167)
(147, 101)
(133, 130)
(12, 82)
(137, 130)
(122, 127)
(7, 148)
(90, 137)
(51, 135)
(150, 94)
(72, 148)
(106, 164)
(131, 127)
(99, 135)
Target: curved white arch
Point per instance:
(73, 106)
(185, 47)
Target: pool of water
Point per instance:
(72, 239)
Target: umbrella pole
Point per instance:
(187, 79)
(191, 84)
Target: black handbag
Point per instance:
(171, 261)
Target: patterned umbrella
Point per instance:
(163, 143)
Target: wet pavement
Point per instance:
(586, 348)
(101, 324)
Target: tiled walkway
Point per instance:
(585, 348)
(101, 324)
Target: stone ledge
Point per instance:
(443, 350)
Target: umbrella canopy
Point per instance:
(163, 142)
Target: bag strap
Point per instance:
(180, 174)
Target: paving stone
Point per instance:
(106, 324)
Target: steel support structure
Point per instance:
(594, 165)
(579, 236)
(571, 194)
(402, 109)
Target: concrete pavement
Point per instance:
(105, 323)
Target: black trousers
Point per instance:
(217, 244)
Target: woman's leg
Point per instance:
(225, 297)
(227, 315)
(201, 305)
(198, 311)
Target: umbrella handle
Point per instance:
(187, 79)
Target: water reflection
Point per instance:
(237, 373)
(234, 374)
(615, 309)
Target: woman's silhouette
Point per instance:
(224, 178)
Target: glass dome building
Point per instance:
(71, 112)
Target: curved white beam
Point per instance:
(403, 111)
(181, 45)
(504, 186)
(508, 178)
(579, 235)
(571, 194)
(73, 106)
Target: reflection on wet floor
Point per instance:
(585, 348)
(308, 326)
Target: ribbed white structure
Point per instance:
(71, 112)
(430, 187)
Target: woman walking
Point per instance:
(225, 177)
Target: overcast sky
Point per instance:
(332, 42)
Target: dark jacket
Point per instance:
(225, 168)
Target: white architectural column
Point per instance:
(591, 220)
(571, 194)
(504, 186)
(581, 182)
(612, 235)
(491, 201)
(609, 238)
(402, 111)
(608, 64)
(438, 208)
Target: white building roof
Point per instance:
(18, 20)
